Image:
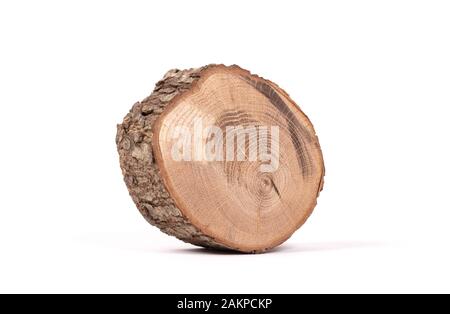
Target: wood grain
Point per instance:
(226, 204)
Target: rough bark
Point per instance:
(141, 172)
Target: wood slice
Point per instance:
(221, 158)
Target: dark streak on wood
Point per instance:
(275, 188)
(296, 130)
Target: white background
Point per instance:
(373, 76)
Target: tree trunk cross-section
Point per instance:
(249, 197)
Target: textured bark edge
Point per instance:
(141, 173)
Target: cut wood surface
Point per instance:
(193, 175)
